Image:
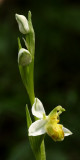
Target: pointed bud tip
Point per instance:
(29, 13)
(17, 16)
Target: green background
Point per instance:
(57, 75)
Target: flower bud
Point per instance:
(24, 57)
(22, 23)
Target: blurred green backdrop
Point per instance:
(57, 75)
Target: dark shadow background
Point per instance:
(57, 75)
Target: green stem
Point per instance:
(30, 82)
(40, 154)
(43, 154)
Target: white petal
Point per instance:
(37, 128)
(66, 131)
(38, 109)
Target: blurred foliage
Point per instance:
(57, 75)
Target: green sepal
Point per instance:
(25, 42)
(29, 121)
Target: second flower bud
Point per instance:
(24, 57)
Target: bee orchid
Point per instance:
(48, 124)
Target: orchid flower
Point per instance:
(48, 124)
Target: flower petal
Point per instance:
(38, 109)
(37, 128)
(66, 131)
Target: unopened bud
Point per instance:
(22, 23)
(24, 57)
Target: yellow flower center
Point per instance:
(53, 129)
